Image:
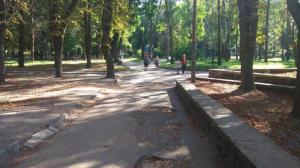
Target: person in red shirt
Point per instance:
(183, 63)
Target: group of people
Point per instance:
(147, 61)
(179, 64)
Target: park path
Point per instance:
(141, 116)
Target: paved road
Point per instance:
(142, 116)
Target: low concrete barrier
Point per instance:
(241, 146)
(258, 77)
(258, 85)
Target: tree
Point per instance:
(2, 37)
(87, 34)
(59, 12)
(169, 8)
(248, 27)
(267, 30)
(294, 9)
(194, 41)
(21, 59)
(219, 34)
(106, 28)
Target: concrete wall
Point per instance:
(240, 145)
(259, 77)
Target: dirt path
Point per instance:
(140, 122)
(32, 100)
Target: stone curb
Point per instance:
(287, 88)
(14, 147)
(239, 144)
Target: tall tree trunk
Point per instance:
(2, 37)
(170, 30)
(87, 36)
(58, 51)
(58, 19)
(193, 75)
(106, 28)
(21, 44)
(236, 44)
(267, 30)
(219, 34)
(57, 32)
(32, 45)
(294, 8)
(114, 47)
(248, 29)
(32, 14)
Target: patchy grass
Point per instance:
(267, 111)
(134, 59)
(67, 65)
(206, 64)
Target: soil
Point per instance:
(267, 111)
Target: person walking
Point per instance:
(183, 63)
(156, 61)
(178, 66)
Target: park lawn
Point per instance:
(205, 64)
(134, 59)
(265, 110)
(69, 65)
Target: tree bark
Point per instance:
(114, 47)
(170, 31)
(248, 29)
(219, 34)
(58, 23)
(87, 36)
(2, 37)
(294, 9)
(106, 28)
(194, 21)
(267, 30)
(21, 46)
(58, 50)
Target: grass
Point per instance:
(97, 64)
(134, 59)
(203, 65)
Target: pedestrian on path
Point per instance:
(156, 61)
(146, 62)
(178, 66)
(183, 63)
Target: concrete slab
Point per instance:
(38, 138)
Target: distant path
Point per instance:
(140, 116)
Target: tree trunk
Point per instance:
(267, 30)
(248, 29)
(21, 44)
(106, 27)
(294, 8)
(193, 75)
(114, 47)
(87, 36)
(170, 31)
(2, 37)
(58, 51)
(58, 25)
(296, 105)
(219, 34)
(32, 14)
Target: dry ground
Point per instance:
(267, 111)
